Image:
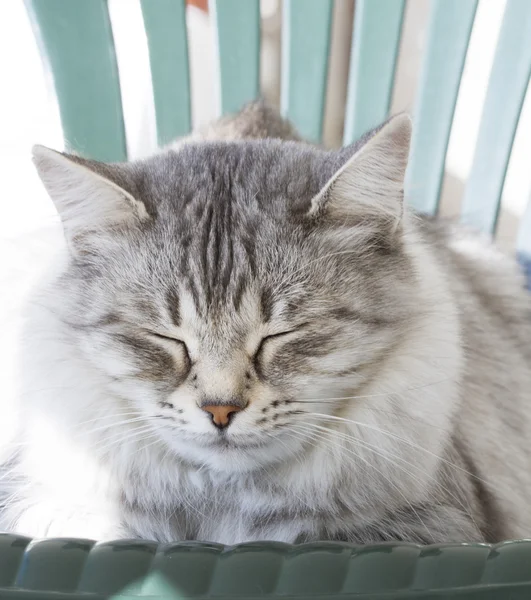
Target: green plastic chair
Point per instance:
(125, 570)
(76, 39)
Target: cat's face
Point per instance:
(229, 299)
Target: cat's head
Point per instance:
(232, 292)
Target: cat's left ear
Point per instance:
(369, 186)
(88, 195)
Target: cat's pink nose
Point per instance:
(221, 414)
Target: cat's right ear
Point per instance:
(369, 187)
(89, 196)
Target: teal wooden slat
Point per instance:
(440, 77)
(76, 41)
(305, 48)
(165, 23)
(237, 42)
(375, 42)
(505, 95)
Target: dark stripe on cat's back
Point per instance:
(492, 528)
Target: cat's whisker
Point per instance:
(124, 437)
(108, 416)
(193, 508)
(121, 442)
(58, 388)
(356, 440)
(389, 481)
(393, 458)
(119, 424)
(7, 474)
(277, 483)
(156, 440)
(291, 451)
(401, 413)
(360, 396)
(145, 426)
(369, 468)
(398, 438)
(316, 440)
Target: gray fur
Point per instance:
(223, 240)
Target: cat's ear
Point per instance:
(88, 195)
(370, 184)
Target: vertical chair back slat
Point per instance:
(237, 40)
(165, 25)
(505, 95)
(440, 77)
(77, 43)
(375, 42)
(305, 48)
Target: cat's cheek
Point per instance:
(272, 371)
(181, 415)
(143, 394)
(107, 358)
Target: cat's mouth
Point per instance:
(224, 440)
(226, 452)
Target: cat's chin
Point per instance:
(237, 455)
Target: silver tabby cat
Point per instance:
(251, 338)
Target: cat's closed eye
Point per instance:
(265, 344)
(173, 340)
(166, 337)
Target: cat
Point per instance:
(248, 337)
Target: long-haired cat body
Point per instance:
(247, 337)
